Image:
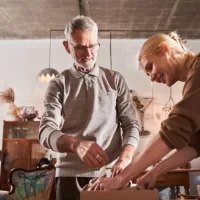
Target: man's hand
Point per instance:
(120, 165)
(124, 160)
(91, 153)
(103, 183)
(88, 151)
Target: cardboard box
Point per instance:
(124, 194)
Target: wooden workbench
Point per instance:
(175, 178)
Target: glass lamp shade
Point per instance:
(165, 112)
(46, 75)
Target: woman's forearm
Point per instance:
(176, 160)
(155, 151)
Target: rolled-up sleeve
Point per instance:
(49, 131)
(183, 124)
(127, 114)
(195, 142)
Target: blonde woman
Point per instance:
(165, 59)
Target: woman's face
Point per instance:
(159, 68)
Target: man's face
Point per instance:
(83, 46)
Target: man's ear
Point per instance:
(66, 45)
(164, 48)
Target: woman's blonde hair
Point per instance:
(152, 45)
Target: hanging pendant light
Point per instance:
(142, 103)
(110, 50)
(168, 106)
(47, 74)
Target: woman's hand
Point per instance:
(148, 180)
(104, 183)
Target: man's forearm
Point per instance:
(127, 152)
(156, 150)
(174, 161)
(67, 144)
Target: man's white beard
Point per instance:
(86, 65)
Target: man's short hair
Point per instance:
(80, 22)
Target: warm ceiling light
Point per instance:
(47, 74)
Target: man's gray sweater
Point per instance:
(92, 107)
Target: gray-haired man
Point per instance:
(84, 108)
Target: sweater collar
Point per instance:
(79, 74)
